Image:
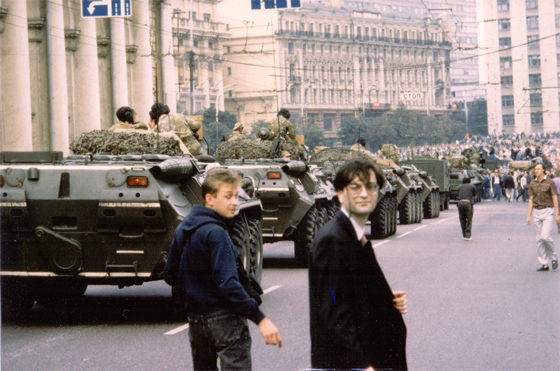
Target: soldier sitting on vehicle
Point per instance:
(359, 146)
(161, 120)
(127, 121)
(237, 133)
(286, 129)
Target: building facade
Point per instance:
(520, 64)
(324, 62)
(63, 74)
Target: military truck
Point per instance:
(72, 221)
(440, 172)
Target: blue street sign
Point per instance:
(106, 8)
(274, 4)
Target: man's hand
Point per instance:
(529, 220)
(400, 301)
(270, 333)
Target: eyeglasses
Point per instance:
(355, 188)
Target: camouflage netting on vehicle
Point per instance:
(120, 143)
(252, 150)
(338, 154)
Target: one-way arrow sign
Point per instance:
(106, 8)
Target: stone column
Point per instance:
(167, 61)
(15, 109)
(56, 72)
(140, 62)
(119, 83)
(86, 104)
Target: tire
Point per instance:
(406, 209)
(420, 205)
(255, 248)
(239, 234)
(437, 200)
(430, 206)
(332, 209)
(321, 219)
(395, 213)
(304, 235)
(379, 219)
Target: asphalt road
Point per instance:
(477, 305)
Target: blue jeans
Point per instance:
(220, 335)
(497, 191)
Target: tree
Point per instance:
(351, 129)
(314, 136)
(226, 122)
(478, 117)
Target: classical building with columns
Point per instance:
(323, 62)
(63, 74)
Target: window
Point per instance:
(328, 121)
(304, 49)
(534, 60)
(508, 120)
(206, 17)
(505, 62)
(531, 4)
(210, 45)
(535, 99)
(557, 19)
(290, 48)
(533, 41)
(229, 71)
(506, 81)
(228, 49)
(507, 100)
(503, 24)
(312, 49)
(322, 50)
(503, 5)
(535, 80)
(210, 66)
(505, 42)
(536, 118)
(532, 22)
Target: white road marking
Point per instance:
(404, 234)
(381, 243)
(424, 226)
(186, 326)
(443, 220)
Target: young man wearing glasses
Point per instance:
(356, 319)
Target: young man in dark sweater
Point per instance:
(466, 195)
(202, 260)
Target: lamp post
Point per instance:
(224, 89)
(304, 87)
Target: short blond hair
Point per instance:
(216, 177)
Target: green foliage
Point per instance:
(478, 117)
(226, 122)
(314, 136)
(351, 129)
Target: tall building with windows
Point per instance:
(460, 18)
(324, 62)
(520, 64)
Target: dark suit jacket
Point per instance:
(353, 321)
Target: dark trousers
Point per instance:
(220, 335)
(465, 217)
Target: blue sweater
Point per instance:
(202, 259)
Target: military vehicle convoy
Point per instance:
(439, 170)
(297, 199)
(72, 221)
(429, 193)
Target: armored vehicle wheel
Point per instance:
(322, 216)
(420, 208)
(332, 209)
(304, 234)
(406, 208)
(394, 215)
(379, 219)
(429, 206)
(437, 200)
(239, 234)
(255, 248)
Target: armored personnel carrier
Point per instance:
(72, 221)
(439, 170)
(429, 193)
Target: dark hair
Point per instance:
(539, 163)
(361, 141)
(157, 110)
(284, 112)
(360, 169)
(466, 180)
(215, 177)
(126, 114)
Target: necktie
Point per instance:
(363, 240)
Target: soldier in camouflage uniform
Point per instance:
(237, 133)
(286, 129)
(127, 121)
(163, 121)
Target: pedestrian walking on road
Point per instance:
(356, 319)
(543, 207)
(466, 194)
(509, 185)
(202, 260)
(497, 185)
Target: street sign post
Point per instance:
(106, 8)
